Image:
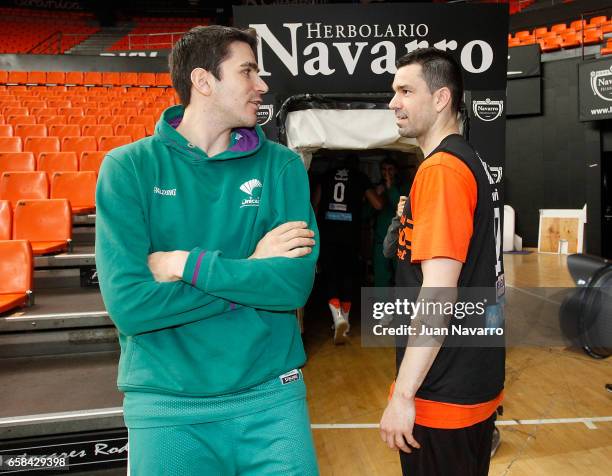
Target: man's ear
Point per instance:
(201, 81)
(442, 98)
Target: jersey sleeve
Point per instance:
(443, 202)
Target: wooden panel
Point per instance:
(554, 229)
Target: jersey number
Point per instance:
(339, 192)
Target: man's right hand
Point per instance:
(400, 205)
(290, 240)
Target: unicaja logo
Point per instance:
(265, 113)
(488, 110)
(601, 83)
(253, 189)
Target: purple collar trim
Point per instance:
(247, 139)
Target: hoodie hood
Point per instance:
(244, 141)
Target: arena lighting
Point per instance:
(586, 314)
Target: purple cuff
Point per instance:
(196, 271)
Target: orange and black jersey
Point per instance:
(454, 212)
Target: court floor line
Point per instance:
(589, 422)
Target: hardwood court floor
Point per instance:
(349, 384)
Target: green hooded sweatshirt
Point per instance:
(229, 324)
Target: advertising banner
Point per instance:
(595, 90)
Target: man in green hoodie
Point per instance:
(205, 245)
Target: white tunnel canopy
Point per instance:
(354, 129)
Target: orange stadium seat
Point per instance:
(147, 121)
(79, 144)
(558, 28)
(70, 111)
(47, 224)
(540, 32)
(598, 21)
(570, 40)
(10, 144)
(92, 77)
(17, 162)
(550, 44)
(578, 25)
(3, 76)
(592, 36)
(41, 144)
(129, 79)
(79, 188)
(51, 162)
(146, 79)
(91, 160)
(19, 119)
(45, 111)
(58, 103)
(97, 130)
(37, 77)
(51, 120)
(6, 130)
(15, 186)
(113, 120)
(30, 130)
(16, 111)
(83, 120)
(112, 142)
(111, 79)
(607, 49)
(163, 79)
(135, 131)
(125, 111)
(6, 220)
(17, 271)
(74, 77)
(56, 77)
(17, 77)
(64, 130)
(31, 103)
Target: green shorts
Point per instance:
(273, 439)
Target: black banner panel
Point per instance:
(524, 61)
(595, 90)
(524, 96)
(353, 48)
(487, 132)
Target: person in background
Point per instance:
(389, 192)
(339, 200)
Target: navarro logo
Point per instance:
(601, 83)
(488, 110)
(253, 189)
(265, 113)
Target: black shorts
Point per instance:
(460, 452)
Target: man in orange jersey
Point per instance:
(441, 414)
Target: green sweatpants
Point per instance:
(275, 441)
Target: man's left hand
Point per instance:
(397, 424)
(167, 266)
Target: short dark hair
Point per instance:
(440, 70)
(204, 47)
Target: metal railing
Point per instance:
(57, 42)
(153, 40)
